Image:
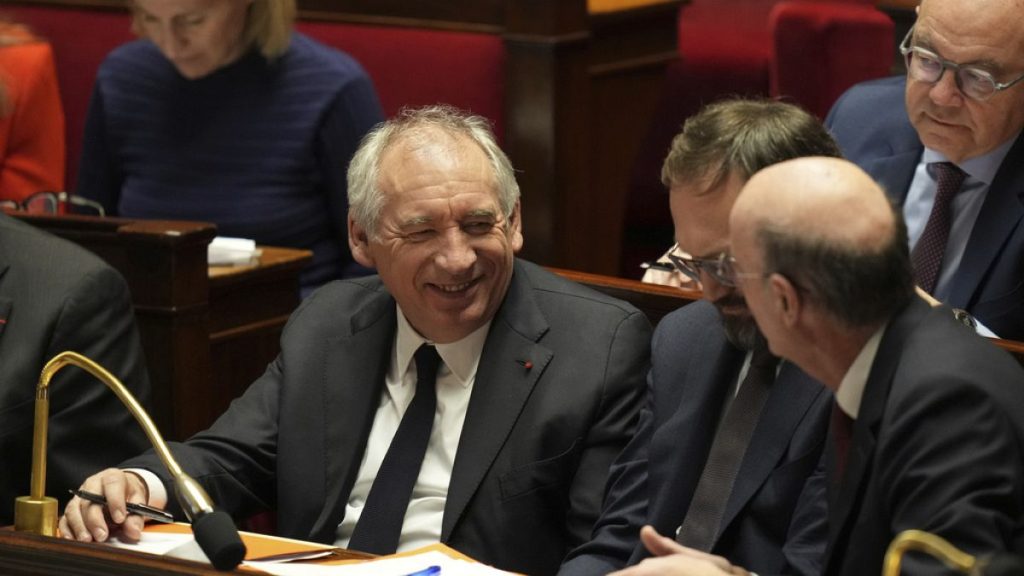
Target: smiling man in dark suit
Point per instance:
(537, 389)
(956, 117)
(702, 355)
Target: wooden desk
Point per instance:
(656, 301)
(206, 335)
(249, 306)
(28, 554)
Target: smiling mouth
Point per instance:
(454, 289)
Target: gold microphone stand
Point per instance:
(38, 513)
(936, 546)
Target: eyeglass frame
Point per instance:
(908, 51)
(721, 267)
(58, 198)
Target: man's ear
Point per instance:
(786, 299)
(515, 228)
(359, 244)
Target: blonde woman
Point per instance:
(221, 112)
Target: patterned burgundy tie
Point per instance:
(930, 248)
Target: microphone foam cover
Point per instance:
(217, 536)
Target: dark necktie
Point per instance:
(700, 526)
(842, 432)
(931, 247)
(380, 524)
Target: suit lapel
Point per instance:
(352, 391)
(791, 396)
(689, 432)
(1002, 212)
(842, 508)
(5, 303)
(502, 386)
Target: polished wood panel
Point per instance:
(22, 553)
(206, 335)
(653, 300)
(657, 301)
(27, 554)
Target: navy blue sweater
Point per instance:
(259, 148)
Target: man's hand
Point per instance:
(85, 521)
(674, 559)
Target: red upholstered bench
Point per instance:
(803, 51)
(409, 66)
(416, 66)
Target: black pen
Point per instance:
(663, 266)
(139, 509)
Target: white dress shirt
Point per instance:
(455, 378)
(981, 171)
(851, 388)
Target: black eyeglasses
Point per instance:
(719, 267)
(924, 65)
(50, 203)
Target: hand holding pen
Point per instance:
(147, 512)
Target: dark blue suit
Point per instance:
(870, 124)
(938, 446)
(653, 480)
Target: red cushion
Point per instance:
(413, 67)
(81, 39)
(821, 49)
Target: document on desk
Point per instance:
(172, 544)
(225, 251)
(428, 562)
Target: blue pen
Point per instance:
(430, 571)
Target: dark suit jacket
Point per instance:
(652, 482)
(535, 447)
(55, 296)
(938, 446)
(870, 124)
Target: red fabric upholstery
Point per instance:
(805, 51)
(412, 66)
(822, 49)
(80, 38)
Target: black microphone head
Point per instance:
(217, 536)
(1001, 565)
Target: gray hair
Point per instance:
(365, 198)
(743, 136)
(857, 287)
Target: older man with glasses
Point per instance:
(730, 435)
(945, 143)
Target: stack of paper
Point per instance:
(224, 251)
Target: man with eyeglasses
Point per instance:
(945, 143)
(934, 415)
(730, 435)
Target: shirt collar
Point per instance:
(851, 388)
(982, 168)
(460, 357)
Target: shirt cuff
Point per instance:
(157, 491)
